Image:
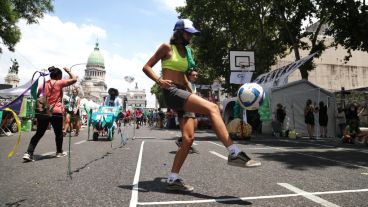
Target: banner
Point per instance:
(279, 77)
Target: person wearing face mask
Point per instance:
(176, 59)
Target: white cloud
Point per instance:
(171, 4)
(63, 44)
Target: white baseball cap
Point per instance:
(186, 25)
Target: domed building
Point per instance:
(93, 83)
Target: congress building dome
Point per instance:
(93, 83)
(96, 58)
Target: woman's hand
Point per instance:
(163, 83)
(66, 70)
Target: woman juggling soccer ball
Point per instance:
(176, 59)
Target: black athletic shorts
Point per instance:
(175, 97)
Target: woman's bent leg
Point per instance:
(57, 125)
(42, 124)
(199, 105)
(187, 130)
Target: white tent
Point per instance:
(89, 104)
(294, 97)
(9, 92)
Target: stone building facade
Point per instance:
(331, 72)
(135, 97)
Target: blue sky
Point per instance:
(128, 33)
(132, 26)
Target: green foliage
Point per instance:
(269, 28)
(11, 11)
(349, 24)
(232, 25)
(156, 90)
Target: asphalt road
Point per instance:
(293, 172)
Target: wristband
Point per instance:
(158, 80)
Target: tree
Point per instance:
(330, 17)
(11, 11)
(156, 90)
(232, 25)
(269, 27)
(349, 25)
(290, 16)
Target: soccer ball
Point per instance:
(250, 96)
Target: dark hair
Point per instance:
(191, 71)
(177, 37)
(309, 102)
(55, 73)
(113, 92)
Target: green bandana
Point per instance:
(191, 63)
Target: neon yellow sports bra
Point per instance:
(175, 62)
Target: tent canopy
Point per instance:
(89, 104)
(17, 91)
(294, 96)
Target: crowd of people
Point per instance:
(176, 81)
(347, 120)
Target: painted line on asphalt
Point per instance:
(249, 198)
(144, 138)
(134, 198)
(305, 194)
(218, 155)
(48, 153)
(81, 142)
(323, 158)
(254, 148)
(364, 173)
(216, 144)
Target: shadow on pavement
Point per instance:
(16, 203)
(159, 185)
(308, 160)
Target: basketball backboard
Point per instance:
(242, 60)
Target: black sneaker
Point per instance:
(28, 157)
(242, 160)
(178, 185)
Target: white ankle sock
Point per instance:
(233, 150)
(172, 177)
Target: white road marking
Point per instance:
(144, 137)
(219, 155)
(305, 194)
(364, 173)
(80, 142)
(323, 158)
(134, 198)
(216, 144)
(250, 198)
(254, 148)
(48, 153)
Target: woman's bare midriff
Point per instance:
(175, 76)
